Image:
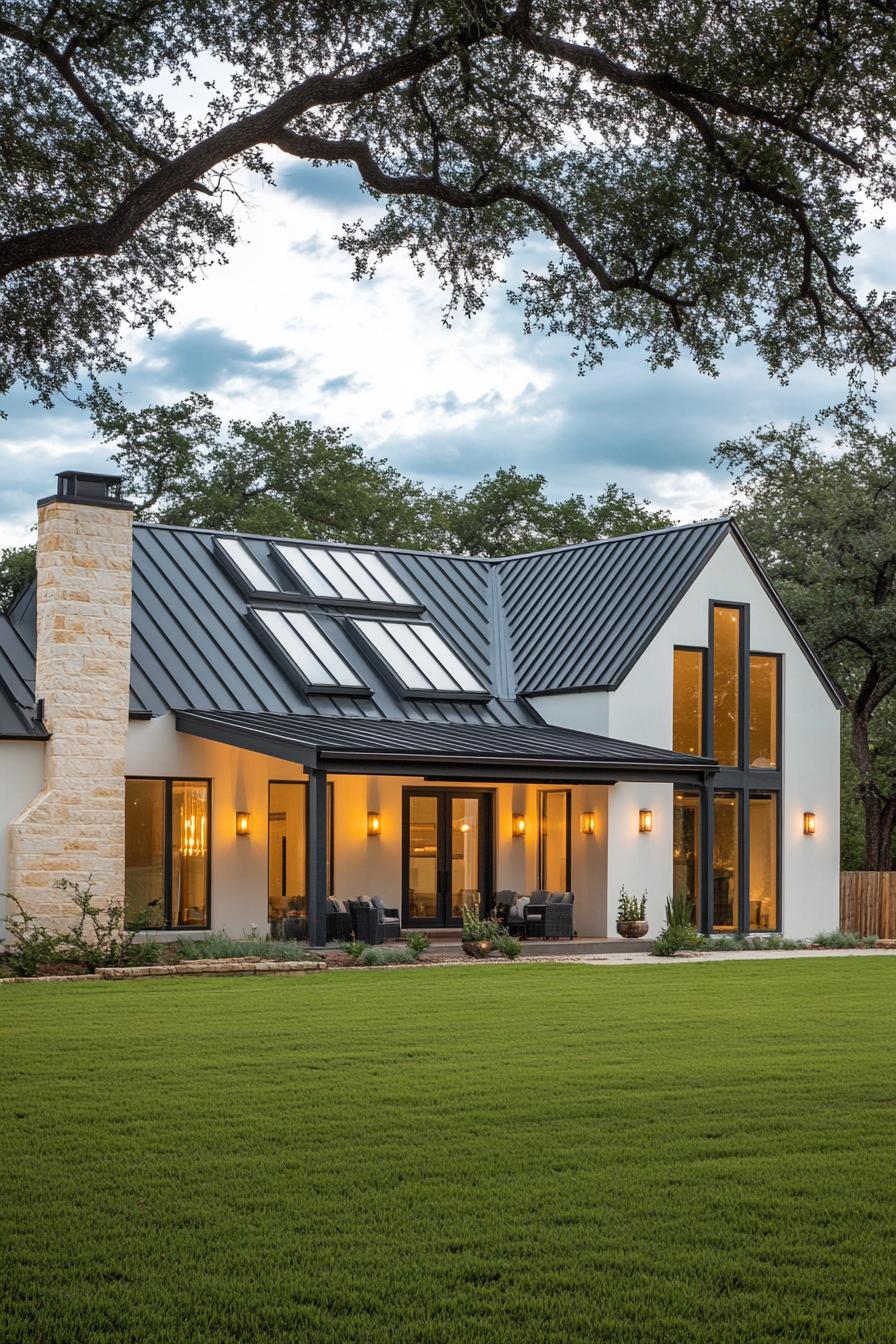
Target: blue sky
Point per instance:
(284, 328)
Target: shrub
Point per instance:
(477, 929)
(416, 943)
(631, 908)
(99, 936)
(215, 946)
(508, 946)
(386, 956)
(839, 939)
(355, 949)
(678, 938)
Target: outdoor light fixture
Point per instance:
(645, 821)
(244, 823)
(519, 824)
(374, 823)
(587, 823)
(808, 823)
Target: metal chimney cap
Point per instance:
(88, 487)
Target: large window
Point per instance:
(763, 822)
(686, 850)
(764, 711)
(726, 685)
(287, 847)
(687, 701)
(167, 853)
(553, 839)
(726, 861)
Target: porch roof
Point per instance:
(468, 751)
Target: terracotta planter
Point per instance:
(479, 947)
(631, 928)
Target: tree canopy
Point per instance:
(701, 170)
(824, 524)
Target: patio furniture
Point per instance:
(533, 914)
(365, 922)
(389, 918)
(295, 927)
(339, 923)
(558, 916)
(504, 900)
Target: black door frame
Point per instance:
(444, 796)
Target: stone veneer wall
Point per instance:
(74, 828)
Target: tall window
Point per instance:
(763, 823)
(686, 850)
(726, 866)
(287, 847)
(687, 701)
(726, 685)
(553, 839)
(763, 711)
(167, 853)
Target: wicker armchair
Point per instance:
(339, 924)
(558, 915)
(372, 922)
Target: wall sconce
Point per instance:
(808, 823)
(374, 823)
(645, 821)
(244, 823)
(587, 823)
(519, 825)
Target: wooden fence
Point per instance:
(868, 903)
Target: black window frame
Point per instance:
(169, 781)
(705, 696)
(743, 779)
(331, 840)
(539, 869)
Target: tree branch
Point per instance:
(105, 237)
(412, 184)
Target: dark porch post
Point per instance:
(317, 857)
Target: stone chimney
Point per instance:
(74, 828)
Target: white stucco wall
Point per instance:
(21, 778)
(362, 865)
(640, 710)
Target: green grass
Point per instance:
(518, 1153)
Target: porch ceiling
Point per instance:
(465, 751)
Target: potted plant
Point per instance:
(478, 937)
(630, 921)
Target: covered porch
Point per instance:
(431, 816)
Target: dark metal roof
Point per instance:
(575, 618)
(17, 685)
(580, 617)
(400, 747)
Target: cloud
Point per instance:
(343, 382)
(333, 186)
(204, 358)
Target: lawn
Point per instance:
(524, 1153)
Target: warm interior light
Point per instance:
(587, 823)
(243, 823)
(194, 838)
(808, 823)
(519, 824)
(645, 820)
(374, 823)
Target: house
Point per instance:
(225, 728)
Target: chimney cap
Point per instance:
(88, 487)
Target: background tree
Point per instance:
(697, 167)
(824, 524)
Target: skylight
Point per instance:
(242, 559)
(309, 651)
(419, 658)
(358, 576)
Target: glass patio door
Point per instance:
(447, 858)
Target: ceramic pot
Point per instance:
(631, 928)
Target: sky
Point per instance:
(283, 327)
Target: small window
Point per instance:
(763, 711)
(241, 560)
(419, 659)
(687, 701)
(686, 851)
(726, 862)
(553, 839)
(304, 647)
(167, 853)
(355, 576)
